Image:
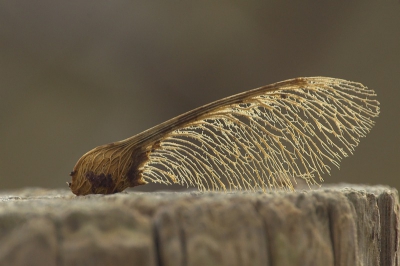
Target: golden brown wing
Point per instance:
(259, 139)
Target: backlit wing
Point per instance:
(266, 140)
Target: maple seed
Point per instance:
(264, 139)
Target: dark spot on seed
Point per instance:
(134, 172)
(155, 146)
(100, 181)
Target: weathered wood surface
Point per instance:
(340, 225)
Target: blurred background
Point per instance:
(78, 74)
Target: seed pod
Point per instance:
(259, 139)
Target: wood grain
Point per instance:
(337, 225)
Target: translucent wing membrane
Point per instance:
(259, 139)
(266, 141)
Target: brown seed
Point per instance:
(259, 139)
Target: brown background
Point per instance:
(77, 74)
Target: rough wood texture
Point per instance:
(340, 225)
